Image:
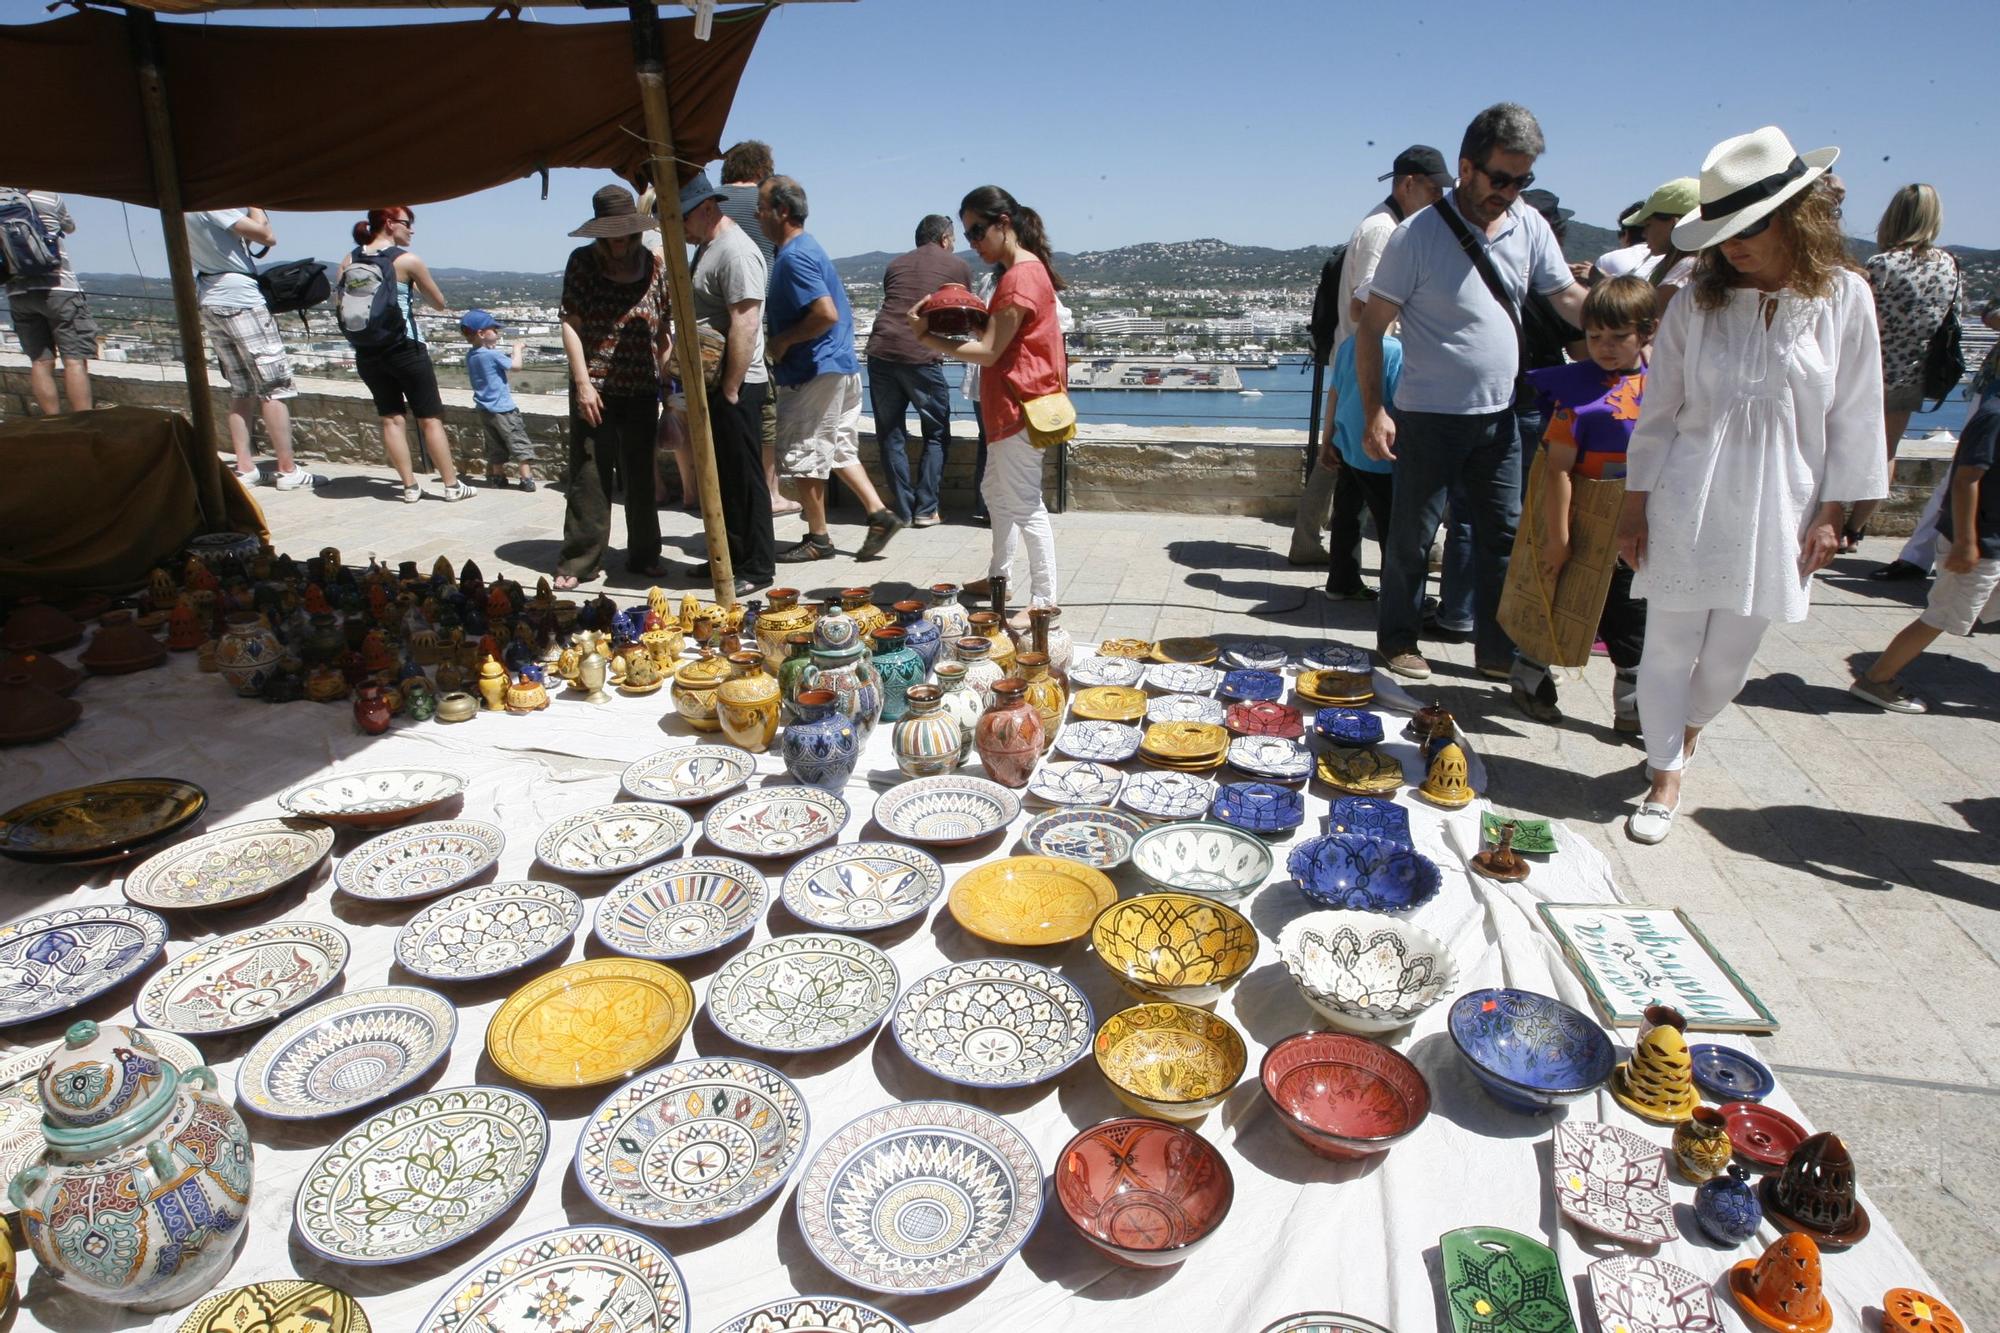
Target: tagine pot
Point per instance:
(1010, 737)
(824, 745)
(747, 704)
(960, 702)
(784, 618)
(927, 739)
(120, 646)
(527, 694)
(140, 1194)
(898, 668)
(29, 713)
(695, 688)
(954, 311)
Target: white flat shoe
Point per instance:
(1651, 822)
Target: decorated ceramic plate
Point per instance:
(343, 1053)
(1499, 1281)
(1271, 757)
(775, 821)
(689, 775)
(862, 886)
(813, 1314)
(379, 798)
(802, 992)
(694, 1142)
(1089, 672)
(1097, 741)
(1030, 900)
(678, 909)
(1186, 708)
(994, 1023)
(1252, 686)
(1331, 656)
(947, 810)
(1182, 678)
(1634, 1294)
(1196, 650)
(1108, 703)
(288, 1305)
(1611, 1181)
(420, 1176)
(1323, 1321)
(589, 1022)
(489, 930)
(1256, 655)
(420, 861)
(50, 964)
(1730, 1075)
(1084, 783)
(1097, 837)
(613, 839)
(1536, 837)
(920, 1197)
(235, 864)
(241, 980)
(100, 822)
(1168, 795)
(575, 1280)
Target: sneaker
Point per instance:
(528, 484)
(1539, 703)
(926, 521)
(298, 478)
(1626, 724)
(808, 548)
(412, 494)
(1504, 671)
(1900, 571)
(254, 477)
(1360, 592)
(458, 490)
(1409, 664)
(1887, 694)
(882, 525)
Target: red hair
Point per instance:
(378, 221)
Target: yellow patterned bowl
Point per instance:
(1178, 946)
(1031, 900)
(1109, 703)
(590, 1022)
(1170, 1060)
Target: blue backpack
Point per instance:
(29, 253)
(365, 305)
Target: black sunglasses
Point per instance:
(1502, 181)
(1757, 228)
(977, 232)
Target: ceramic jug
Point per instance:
(960, 703)
(823, 746)
(418, 701)
(141, 1191)
(247, 653)
(927, 740)
(898, 667)
(991, 627)
(695, 687)
(945, 612)
(868, 617)
(371, 710)
(1045, 636)
(976, 652)
(1045, 693)
(1701, 1144)
(791, 674)
(747, 703)
(919, 632)
(1010, 736)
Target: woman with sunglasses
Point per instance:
(1761, 422)
(1020, 356)
(399, 375)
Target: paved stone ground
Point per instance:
(1842, 857)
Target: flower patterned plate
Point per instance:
(1098, 742)
(1079, 783)
(1030, 900)
(690, 775)
(287, 1305)
(948, 810)
(1168, 795)
(50, 964)
(678, 909)
(226, 867)
(1635, 1294)
(775, 821)
(862, 886)
(1323, 1321)
(994, 1023)
(379, 798)
(920, 1197)
(1089, 672)
(575, 1280)
(343, 1053)
(1273, 758)
(421, 1175)
(802, 993)
(694, 1142)
(589, 1022)
(1376, 816)
(1182, 678)
(1499, 1281)
(1099, 838)
(254, 976)
(420, 861)
(613, 839)
(100, 822)
(813, 1314)
(1186, 708)
(1256, 655)
(488, 931)
(1611, 1181)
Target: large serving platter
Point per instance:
(678, 909)
(420, 861)
(229, 866)
(947, 810)
(1613, 1182)
(689, 775)
(100, 822)
(1081, 782)
(282, 1305)
(613, 839)
(589, 1023)
(378, 798)
(862, 886)
(994, 1023)
(586, 1279)
(813, 1314)
(239, 981)
(343, 1053)
(775, 821)
(489, 930)
(802, 993)
(51, 963)
(1030, 900)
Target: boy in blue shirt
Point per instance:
(487, 366)
(1363, 480)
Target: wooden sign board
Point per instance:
(1631, 955)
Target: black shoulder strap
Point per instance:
(1483, 266)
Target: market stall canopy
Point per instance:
(352, 118)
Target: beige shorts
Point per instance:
(1960, 601)
(819, 425)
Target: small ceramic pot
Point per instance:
(456, 706)
(868, 617)
(775, 626)
(1701, 1145)
(976, 652)
(850, 674)
(960, 702)
(418, 701)
(1045, 693)
(747, 703)
(492, 686)
(696, 685)
(898, 668)
(823, 746)
(920, 632)
(989, 626)
(527, 695)
(247, 653)
(1010, 737)
(927, 740)
(945, 612)
(1727, 1208)
(371, 710)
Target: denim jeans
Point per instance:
(1457, 582)
(1434, 451)
(893, 388)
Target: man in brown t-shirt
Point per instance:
(902, 373)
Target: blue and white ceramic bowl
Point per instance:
(1331, 656)
(1375, 816)
(1251, 686)
(1213, 860)
(1264, 808)
(1348, 726)
(1363, 874)
(1532, 1052)
(1273, 758)
(862, 886)
(1096, 837)
(1182, 678)
(945, 810)
(1168, 795)
(1099, 742)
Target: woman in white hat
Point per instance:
(1761, 421)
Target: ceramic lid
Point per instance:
(100, 1075)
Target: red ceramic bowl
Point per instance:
(955, 311)
(1761, 1134)
(1344, 1096)
(1144, 1192)
(1265, 718)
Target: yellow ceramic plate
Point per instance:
(1109, 703)
(1200, 652)
(289, 1306)
(1185, 741)
(102, 821)
(1186, 765)
(1133, 648)
(1363, 772)
(1031, 900)
(1170, 1059)
(590, 1022)
(1336, 687)
(1178, 946)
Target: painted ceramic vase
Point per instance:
(851, 676)
(140, 1194)
(919, 632)
(945, 612)
(492, 686)
(782, 619)
(747, 703)
(1010, 737)
(1045, 693)
(835, 631)
(1701, 1145)
(1727, 1207)
(960, 703)
(1045, 635)
(868, 617)
(791, 674)
(976, 652)
(989, 626)
(823, 746)
(898, 667)
(696, 685)
(247, 653)
(928, 741)
(419, 702)
(372, 710)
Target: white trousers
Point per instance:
(1694, 663)
(1921, 549)
(1012, 489)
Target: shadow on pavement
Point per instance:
(1921, 849)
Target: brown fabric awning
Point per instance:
(354, 118)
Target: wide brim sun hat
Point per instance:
(1745, 179)
(615, 213)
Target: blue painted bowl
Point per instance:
(1348, 726)
(1376, 816)
(1251, 686)
(1362, 874)
(1259, 807)
(1532, 1052)
(1730, 1075)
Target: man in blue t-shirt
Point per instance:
(810, 343)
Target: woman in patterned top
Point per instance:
(617, 338)
(1917, 288)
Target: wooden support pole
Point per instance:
(144, 30)
(648, 58)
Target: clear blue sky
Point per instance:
(1257, 121)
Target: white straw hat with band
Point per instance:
(1744, 179)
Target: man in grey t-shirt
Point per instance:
(746, 165)
(245, 337)
(51, 319)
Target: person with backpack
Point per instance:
(241, 329)
(46, 303)
(374, 305)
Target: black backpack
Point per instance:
(294, 287)
(1325, 323)
(367, 309)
